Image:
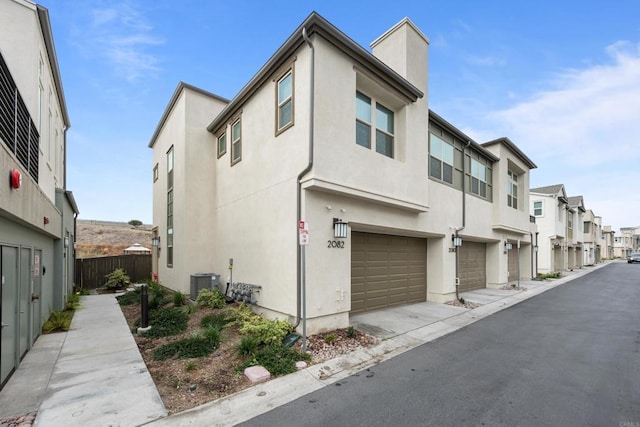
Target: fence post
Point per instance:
(144, 307)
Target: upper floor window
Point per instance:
(383, 125)
(512, 187)
(155, 173)
(222, 144)
(441, 159)
(537, 208)
(478, 178)
(570, 221)
(236, 142)
(170, 168)
(587, 227)
(285, 102)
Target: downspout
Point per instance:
(464, 210)
(532, 251)
(303, 173)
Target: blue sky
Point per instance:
(561, 79)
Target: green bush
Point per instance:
(157, 295)
(58, 321)
(130, 297)
(117, 279)
(266, 331)
(242, 314)
(278, 360)
(211, 298)
(166, 322)
(330, 338)
(351, 332)
(217, 320)
(212, 334)
(247, 346)
(179, 299)
(197, 345)
(73, 302)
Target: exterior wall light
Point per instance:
(339, 228)
(508, 246)
(66, 242)
(457, 240)
(535, 248)
(155, 242)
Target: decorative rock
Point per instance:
(301, 364)
(257, 374)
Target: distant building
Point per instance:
(37, 211)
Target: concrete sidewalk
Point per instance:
(94, 374)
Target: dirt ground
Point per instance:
(187, 383)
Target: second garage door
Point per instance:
(386, 271)
(472, 266)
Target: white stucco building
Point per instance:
(37, 212)
(342, 138)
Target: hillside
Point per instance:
(104, 238)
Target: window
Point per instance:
(170, 207)
(384, 125)
(587, 227)
(440, 159)
(537, 208)
(222, 145)
(478, 178)
(512, 187)
(155, 173)
(570, 221)
(236, 142)
(285, 102)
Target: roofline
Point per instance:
(45, 26)
(462, 136)
(513, 147)
(72, 201)
(316, 24)
(174, 98)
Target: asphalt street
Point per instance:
(570, 356)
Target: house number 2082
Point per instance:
(335, 244)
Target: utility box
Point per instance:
(201, 281)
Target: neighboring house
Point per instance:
(340, 142)
(550, 207)
(592, 238)
(575, 220)
(627, 242)
(37, 212)
(607, 248)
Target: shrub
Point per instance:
(217, 320)
(212, 298)
(189, 309)
(278, 360)
(166, 322)
(212, 334)
(130, 297)
(58, 321)
(157, 295)
(242, 314)
(73, 301)
(190, 366)
(266, 331)
(179, 299)
(329, 338)
(351, 332)
(197, 345)
(247, 346)
(117, 279)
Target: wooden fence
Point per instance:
(90, 272)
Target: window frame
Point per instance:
(223, 137)
(155, 173)
(480, 180)
(376, 132)
(541, 208)
(512, 184)
(236, 142)
(441, 160)
(281, 104)
(170, 204)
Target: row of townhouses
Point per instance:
(328, 185)
(37, 212)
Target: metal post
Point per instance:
(144, 307)
(304, 300)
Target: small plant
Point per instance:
(247, 347)
(117, 279)
(194, 346)
(157, 295)
(166, 322)
(73, 302)
(190, 366)
(212, 334)
(58, 321)
(189, 309)
(351, 332)
(461, 300)
(267, 331)
(217, 320)
(179, 299)
(330, 338)
(211, 298)
(277, 359)
(130, 297)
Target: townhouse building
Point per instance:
(608, 234)
(550, 207)
(328, 187)
(627, 242)
(37, 211)
(575, 225)
(592, 238)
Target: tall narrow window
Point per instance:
(383, 125)
(222, 144)
(285, 102)
(170, 207)
(512, 187)
(440, 159)
(236, 142)
(478, 178)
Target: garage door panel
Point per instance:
(386, 271)
(472, 266)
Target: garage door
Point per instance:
(386, 271)
(472, 266)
